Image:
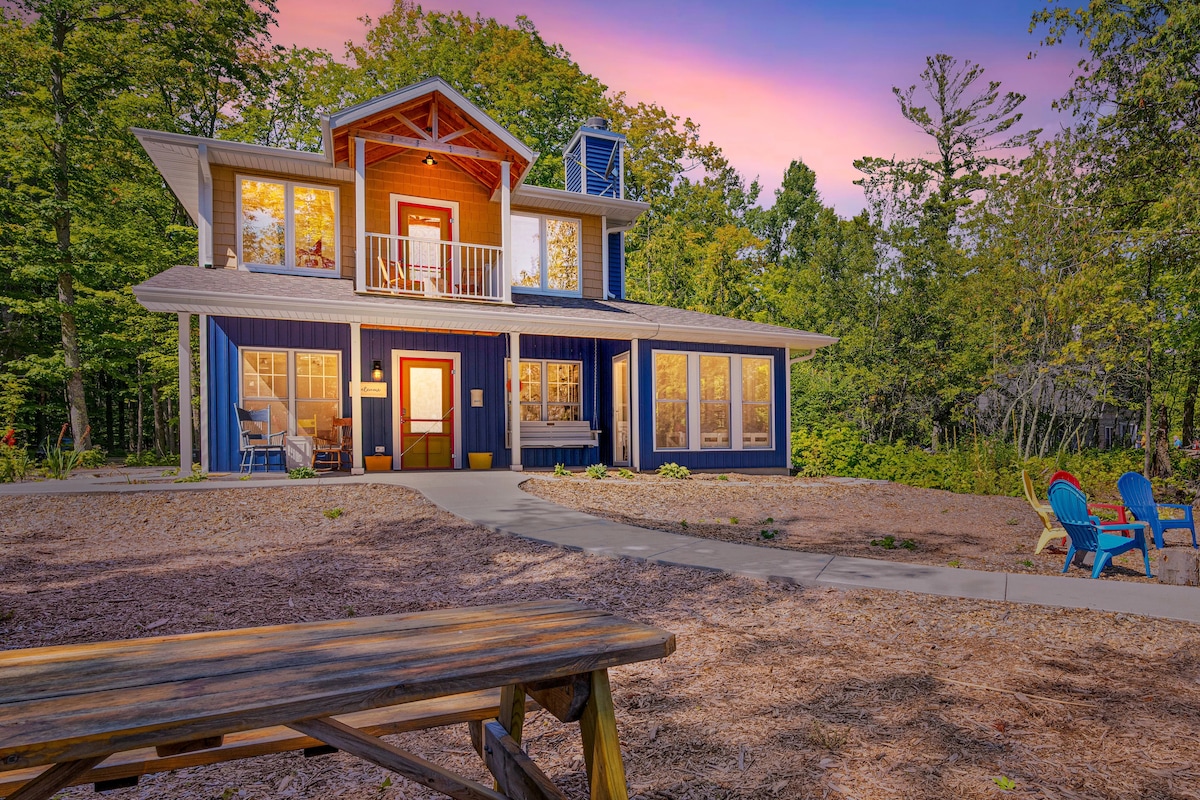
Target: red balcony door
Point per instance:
(425, 258)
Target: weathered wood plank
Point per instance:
(601, 748)
(190, 746)
(516, 774)
(44, 786)
(68, 728)
(565, 698)
(471, 708)
(399, 761)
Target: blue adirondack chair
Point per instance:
(1136, 492)
(1089, 535)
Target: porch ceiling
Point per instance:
(434, 118)
(238, 293)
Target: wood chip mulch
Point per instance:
(775, 691)
(997, 534)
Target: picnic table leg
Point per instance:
(601, 748)
(57, 777)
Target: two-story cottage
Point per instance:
(408, 279)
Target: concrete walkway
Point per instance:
(494, 500)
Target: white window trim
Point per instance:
(545, 387)
(544, 258)
(291, 379)
(289, 244)
(395, 200)
(693, 402)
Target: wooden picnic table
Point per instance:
(141, 703)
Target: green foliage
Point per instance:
(60, 461)
(561, 472)
(767, 533)
(625, 473)
(889, 543)
(14, 463)
(722, 477)
(673, 470)
(985, 466)
(1004, 782)
(302, 473)
(93, 458)
(597, 471)
(683, 523)
(332, 513)
(150, 459)
(197, 476)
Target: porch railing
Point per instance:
(412, 266)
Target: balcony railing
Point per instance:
(412, 266)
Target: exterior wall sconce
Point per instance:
(376, 371)
(429, 160)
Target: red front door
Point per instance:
(426, 413)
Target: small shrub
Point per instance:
(597, 471)
(889, 543)
(302, 473)
(561, 471)
(196, 477)
(766, 534)
(1025, 562)
(954, 562)
(1005, 783)
(59, 463)
(733, 520)
(91, 459)
(14, 461)
(625, 473)
(673, 470)
(332, 513)
(683, 524)
(151, 459)
(1012, 521)
(722, 477)
(169, 473)
(827, 738)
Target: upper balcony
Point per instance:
(422, 266)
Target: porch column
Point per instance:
(604, 292)
(185, 394)
(506, 232)
(360, 236)
(635, 405)
(356, 424)
(204, 457)
(514, 392)
(204, 227)
(787, 365)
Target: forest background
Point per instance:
(1008, 299)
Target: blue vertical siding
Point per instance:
(574, 172)
(225, 336)
(482, 364)
(556, 348)
(710, 459)
(616, 265)
(603, 159)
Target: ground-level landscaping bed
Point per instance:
(774, 691)
(871, 519)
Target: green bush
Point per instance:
(60, 462)
(625, 473)
(151, 459)
(561, 472)
(673, 470)
(14, 463)
(984, 466)
(197, 476)
(302, 473)
(91, 459)
(597, 471)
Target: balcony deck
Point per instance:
(412, 266)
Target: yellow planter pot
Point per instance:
(479, 460)
(378, 463)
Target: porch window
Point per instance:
(551, 391)
(698, 407)
(303, 389)
(546, 253)
(286, 226)
(670, 401)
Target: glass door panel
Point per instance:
(622, 441)
(426, 414)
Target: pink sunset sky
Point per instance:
(769, 82)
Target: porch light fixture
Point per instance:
(429, 160)
(376, 371)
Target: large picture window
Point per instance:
(303, 389)
(712, 401)
(546, 254)
(551, 391)
(286, 226)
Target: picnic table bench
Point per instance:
(108, 712)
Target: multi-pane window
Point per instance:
(302, 389)
(551, 391)
(670, 401)
(714, 401)
(697, 406)
(287, 226)
(756, 402)
(546, 253)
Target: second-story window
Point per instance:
(546, 254)
(286, 226)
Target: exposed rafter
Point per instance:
(410, 142)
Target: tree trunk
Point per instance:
(1148, 413)
(141, 414)
(1161, 467)
(108, 414)
(76, 398)
(160, 439)
(1189, 404)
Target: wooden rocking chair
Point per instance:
(338, 450)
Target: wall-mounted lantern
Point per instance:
(376, 370)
